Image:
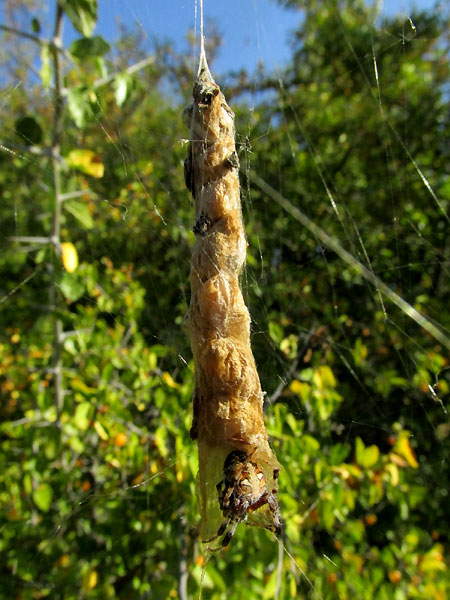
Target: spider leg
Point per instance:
(226, 540)
(275, 510)
(220, 532)
(263, 499)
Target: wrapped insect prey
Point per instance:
(238, 470)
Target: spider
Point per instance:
(242, 491)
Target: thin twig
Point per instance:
(129, 71)
(182, 562)
(56, 224)
(29, 36)
(72, 332)
(290, 372)
(77, 194)
(37, 40)
(24, 239)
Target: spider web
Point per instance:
(283, 349)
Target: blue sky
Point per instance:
(253, 31)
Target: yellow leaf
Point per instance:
(323, 377)
(101, 431)
(86, 161)
(168, 379)
(90, 580)
(300, 388)
(397, 460)
(404, 449)
(433, 560)
(392, 470)
(69, 256)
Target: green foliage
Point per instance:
(98, 499)
(82, 14)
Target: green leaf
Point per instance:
(366, 457)
(270, 585)
(82, 105)
(89, 47)
(71, 286)
(35, 25)
(359, 450)
(275, 332)
(29, 130)
(43, 497)
(371, 455)
(326, 514)
(82, 14)
(80, 211)
(160, 441)
(46, 71)
(338, 453)
(81, 417)
(355, 529)
(28, 483)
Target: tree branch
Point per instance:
(58, 106)
(29, 36)
(129, 71)
(32, 37)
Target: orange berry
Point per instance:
(86, 486)
(395, 576)
(120, 440)
(371, 519)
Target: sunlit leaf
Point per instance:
(168, 380)
(80, 211)
(82, 14)
(101, 431)
(86, 161)
(121, 88)
(90, 580)
(81, 416)
(46, 70)
(160, 441)
(69, 256)
(71, 286)
(392, 469)
(82, 104)
(404, 449)
(366, 457)
(301, 388)
(42, 497)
